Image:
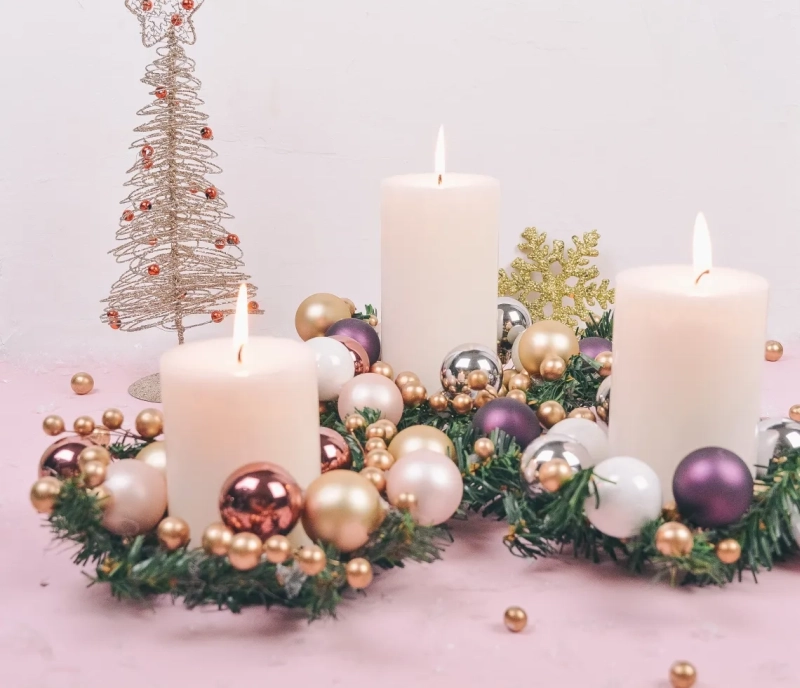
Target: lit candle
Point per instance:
(439, 238)
(232, 402)
(688, 356)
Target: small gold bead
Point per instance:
(389, 428)
(552, 368)
(374, 443)
(583, 412)
(376, 431)
(84, 426)
(773, 351)
(462, 404)
(554, 474)
(379, 458)
(94, 473)
(477, 380)
(245, 551)
(149, 423)
(376, 476)
(682, 675)
(277, 549)
(113, 419)
(354, 423)
(372, 320)
(53, 425)
(549, 413)
(605, 360)
(359, 573)
(517, 395)
(794, 413)
(729, 551)
(382, 368)
(406, 501)
(311, 560)
(405, 378)
(44, 493)
(521, 381)
(94, 453)
(173, 533)
(438, 402)
(515, 619)
(484, 448)
(217, 539)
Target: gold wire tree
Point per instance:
(183, 267)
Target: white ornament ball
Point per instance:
(434, 479)
(629, 495)
(138, 497)
(371, 391)
(587, 433)
(515, 356)
(334, 366)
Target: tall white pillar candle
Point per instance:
(221, 413)
(688, 356)
(439, 245)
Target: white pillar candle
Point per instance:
(221, 413)
(688, 356)
(439, 239)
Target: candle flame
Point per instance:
(240, 322)
(438, 164)
(701, 249)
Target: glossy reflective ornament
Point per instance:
(406, 378)
(362, 332)
(478, 380)
(138, 498)
(217, 316)
(260, 498)
(546, 338)
(44, 493)
(464, 360)
(413, 394)
(515, 419)
(422, 437)
(775, 437)
(375, 431)
(371, 391)
(60, 459)
(244, 553)
(335, 366)
(517, 395)
(217, 539)
(334, 451)
(155, 455)
(549, 413)
(277, 549)
(546, 448)
(317, 313)
(586, 433)
(358, 354)
(682, 675)
(603, 400)
(354, 422)
(172, 533)
(359, 573)
(674, 539)
(150, 423)
(382, 368)
(773, 351)
(513, 318)
(552, 368)
(83, 425)
(728, 551)
(311, 560)
(515, 619)
(82, 383)
(605, 360)
(389, 428)
(211, 193)
(591, 346)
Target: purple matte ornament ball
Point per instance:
(362, 332)
(713, 487)
(515, 419)
(591, 346)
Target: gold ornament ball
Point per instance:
(317, 313)
(521, 381)
(604, 359)
(729, 551)
(376, 430)
(380, 459)
(515, 619)
(682, 675)
(517, 395)
(477, 380)
(94, 454)
(94, 473)
(406, 502)
(44, 493)
(374, 443)
(421, 437)
(549, 413)
(311, 560)
(583, 412)
(101, 436)
(438, 402)
(113, 419)
(382, 368)
(552, 368)
(245, 551)
(217, 539)
(359, 573)
(507, 375)
(277, 549)
(406, 378)
(82, 383)
(413, 394)
(484, 397)
(104, 498)
(674, 539)
(773, 351)
(173, 533)
(484, 448)
(554, 474)
(350, 305)
(83, 425)
(462, 404)
(794, 413)
(53, 425)
(376, 476)
(155, 455)
(546, 338)
(389, 428)
(354, 423)
(150, 423)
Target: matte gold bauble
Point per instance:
(389, 428)
(359, 573)
(521, 381)
(605, 360)
(462, 404)
(93, 454)
(438, 402)
(421, 437)
(405, 501)
(155, 454)
(554, 474)
(376, 476)
(515, 619)
(44, 493)
(342, 508)
(53, 425)
(549, 413)
(583, 412)
(245, 551)
(217, 539)
(518, 395)
(773, 350)
(380, 459)
(83, 425)
(406, 378)
(484, 448)
(382, 368)
(674, 539)
(82, 383)
(311, 560)
(546, 338)
(355, 422)
(374, 443)
(477, 380)
(552, 368)
(150, 423)
(113, 419)
(350, 305)
(93, 473)
(277, 549)
(173, 532)
(413, 394)
(729, 551)
(794, 413)
(682, 675)
(317, 313)
(375, 431)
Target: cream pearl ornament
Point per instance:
(587, 433)
(139, 497)
(334, 366)
(155, 455)
(371, 391)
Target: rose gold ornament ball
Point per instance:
(60, 459)
(334, 452)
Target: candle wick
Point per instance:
(239, 357)
(440, 180)
(705, 272)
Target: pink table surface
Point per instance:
(436, 625)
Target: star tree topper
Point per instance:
(572, 281)
(160, 17)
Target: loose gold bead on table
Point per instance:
(82, 383)
(773, 351)
(515, 619)
(277, 549)
(104, 498)
(217, 539)
(149, 423)
(374, 443)
(379, 458)
(406, 501)
(405, 378)
(389, 428)
(173, 532)
(477, 379)
(94, 473)
(484, 448)
(552, 368)
(794, 413)
(554, 474)
(376, 476)
(521, 381)
(311, 560)
(44, 493)
(674, 539)
(113, 418)
(245, 551)
(355, 422)
(583, 412)
(604, 359)
(376, 431)
(549, 413)
(53, 425)
(413, 394)
(359, 573)
(94, 453)
(729, 551)
(438, 402)
(83, 425)
(382, 368)
(517, 395)
(462, 403)
(682, 675)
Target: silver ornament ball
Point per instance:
(603, 401)
(465, 359)
(551, 446)
(513, 318)
(775, 436)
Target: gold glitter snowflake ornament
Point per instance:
(556, 284)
